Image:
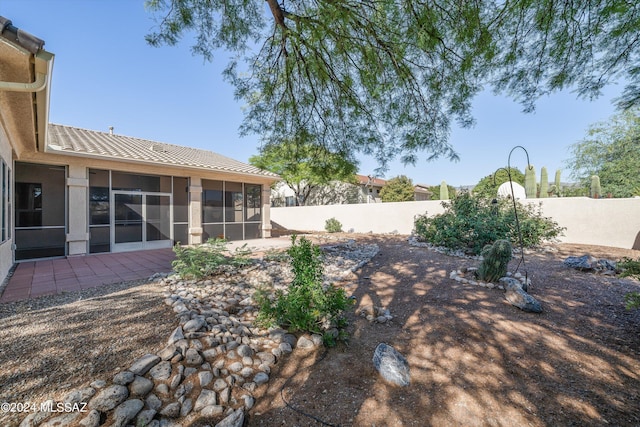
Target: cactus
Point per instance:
(544, 182)
(444, 191)
(596, 190)
(558, 186)
(496, 257)
(530, 187)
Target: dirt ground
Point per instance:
(475, 360)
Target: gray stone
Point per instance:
(284, 347)
(246, 372)
(91, 420)
(225, 395)
(34, 419)
(206, 398)
(162, 371)
(186, 408)
(205, 377)
(189, 371)
(140, 386)
(249, 401)
(123, 378)
(61, 420)
(267, 358)
(162, 389)
(109, 398)
(261, 378)
(175, 381)
(290, 338)
(244, 351)
(519, 298)
(236, 367)
(234, 419)
(194, 325)
(144, 417)
(142, 365)
(98, 384)
(192, 357)
(80, 396)
(168, 352)
(391, 365)
(219, 384)
(172, 410)
(211, 410)
(210, 354)
(153, 402)
(305, 343)
(126, 412)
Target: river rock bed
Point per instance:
(213, 361)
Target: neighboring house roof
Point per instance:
(365, 180)
(421, 189)
(106, 145)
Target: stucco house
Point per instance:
(69, 191)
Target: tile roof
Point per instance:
(89, 143)
(365, 180)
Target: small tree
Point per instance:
(398, 189)
(487, 187)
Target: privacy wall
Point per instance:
(607, 222)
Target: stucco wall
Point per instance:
(6, 254)
(607, 222)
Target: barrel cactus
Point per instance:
(444, 191)
(596, 190)
(544, 182)
(530, 187)
(496, 257)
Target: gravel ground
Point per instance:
(54, 344)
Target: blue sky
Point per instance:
(105, 75)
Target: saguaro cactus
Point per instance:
(596, 190)
(530, 182)
(544, 182)
(444, 191)
(558, 189)
(494, 261)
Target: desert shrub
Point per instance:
(471, 222)
(332, 225)
(196, 262)
(307, 306)
(630, 268)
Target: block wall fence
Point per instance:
(606, 222)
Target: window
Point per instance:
(28, 204)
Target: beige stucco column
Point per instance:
(77, 189)
(266, 211)
(195, 211)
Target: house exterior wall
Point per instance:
(6, 247)
(77, 192)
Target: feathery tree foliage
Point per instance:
(305, 167)
(387, 77)
(398, 189)
(611, 151)
(488, 186)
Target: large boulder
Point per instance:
(392, 365)
(519, 298)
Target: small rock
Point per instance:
(206, 398)
(261, 378)
(194, 325)
(153, 402)
(143, 364)
(519, 298)
(162, 371)
(126, 411)
(305, 343)
(192, 357)
(186, 408)
(211, 410)
(204, 378)
(91, 420)
(140, 386)
(172, 410)
(144, 417)
(109, 398)
(391, 364)
(123, 378)
(234, 419)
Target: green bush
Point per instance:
(196, 262)
(630, 268)
(470, 222)
(307, 306)
(333, 226)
